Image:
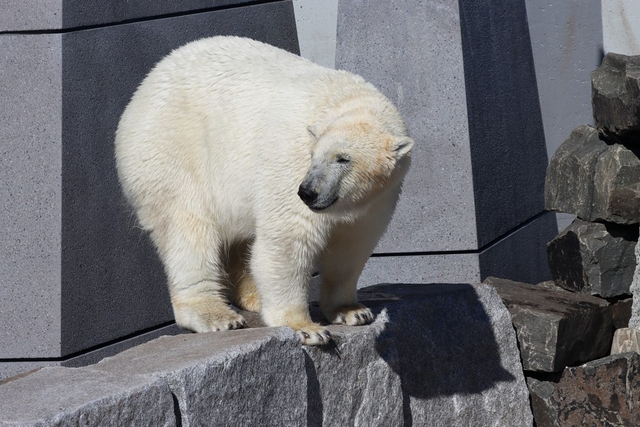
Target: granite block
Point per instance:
(626, 340)
(78, 272)
(603, 392)
(616, 96)
(634, 322)
(594, 258)
(244, 377)
(64, 397)
(555, 329)
(464, 82)
(594, 178)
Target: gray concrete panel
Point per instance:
(30, 186)
(412, 52)
(522, 255)
(77, 273)
(34, 15)
(508, 153)
(112, 281)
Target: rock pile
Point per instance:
(594, 175)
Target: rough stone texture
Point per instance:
(246, 377)
(429, 333)
(621, 312)
(555, 329)
(626, 340)
(594, 258)
(604, 392)
(78, 397)
(76, 272)
(594, 180)
(616, 95)
(412, 366)
(634, 322)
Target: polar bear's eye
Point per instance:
(342, 159)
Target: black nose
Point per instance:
(307, 195)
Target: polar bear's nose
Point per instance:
(307, 195)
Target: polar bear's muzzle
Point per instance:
(311, 198)
(320, 188)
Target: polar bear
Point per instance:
(250, 167)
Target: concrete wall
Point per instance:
(77, 275)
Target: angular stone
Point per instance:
(454, 350)
(73, 397)
(545, 412)
(594, 180)
(616, 95)
(594, 258)
(246, 377)
(626, 340)
(621, 312)
(634, 322)
(555, 329)
(604, 392)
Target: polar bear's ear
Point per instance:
(402, 146)
(314, 131)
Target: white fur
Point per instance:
(212, 150)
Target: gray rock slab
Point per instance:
(634, 322)
(244, 377)
(465, 83)
(67, 397)
(626, 340)
(34, 15)
(604, 392)
(616, 95)
(594, 258)
(594, 179)
(76, 271)
(555, 329)
(426, 334)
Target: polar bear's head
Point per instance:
(352, 161)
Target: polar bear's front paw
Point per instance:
(352, 315)
(314, 334)
(204, 315)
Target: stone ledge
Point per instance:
(411, 366)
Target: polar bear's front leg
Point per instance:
(191, 255)
(282, 272)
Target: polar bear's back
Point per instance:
(218, 118)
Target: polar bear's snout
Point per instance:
(320, 188)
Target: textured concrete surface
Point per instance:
(620, 31)
(30, 186)
(520, 255)
(464, 82)
(65, 397)
(555, 329)
(566, 40)
(33, 15)
(594, 258)
(410, 367)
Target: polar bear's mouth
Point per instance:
(318, 206)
